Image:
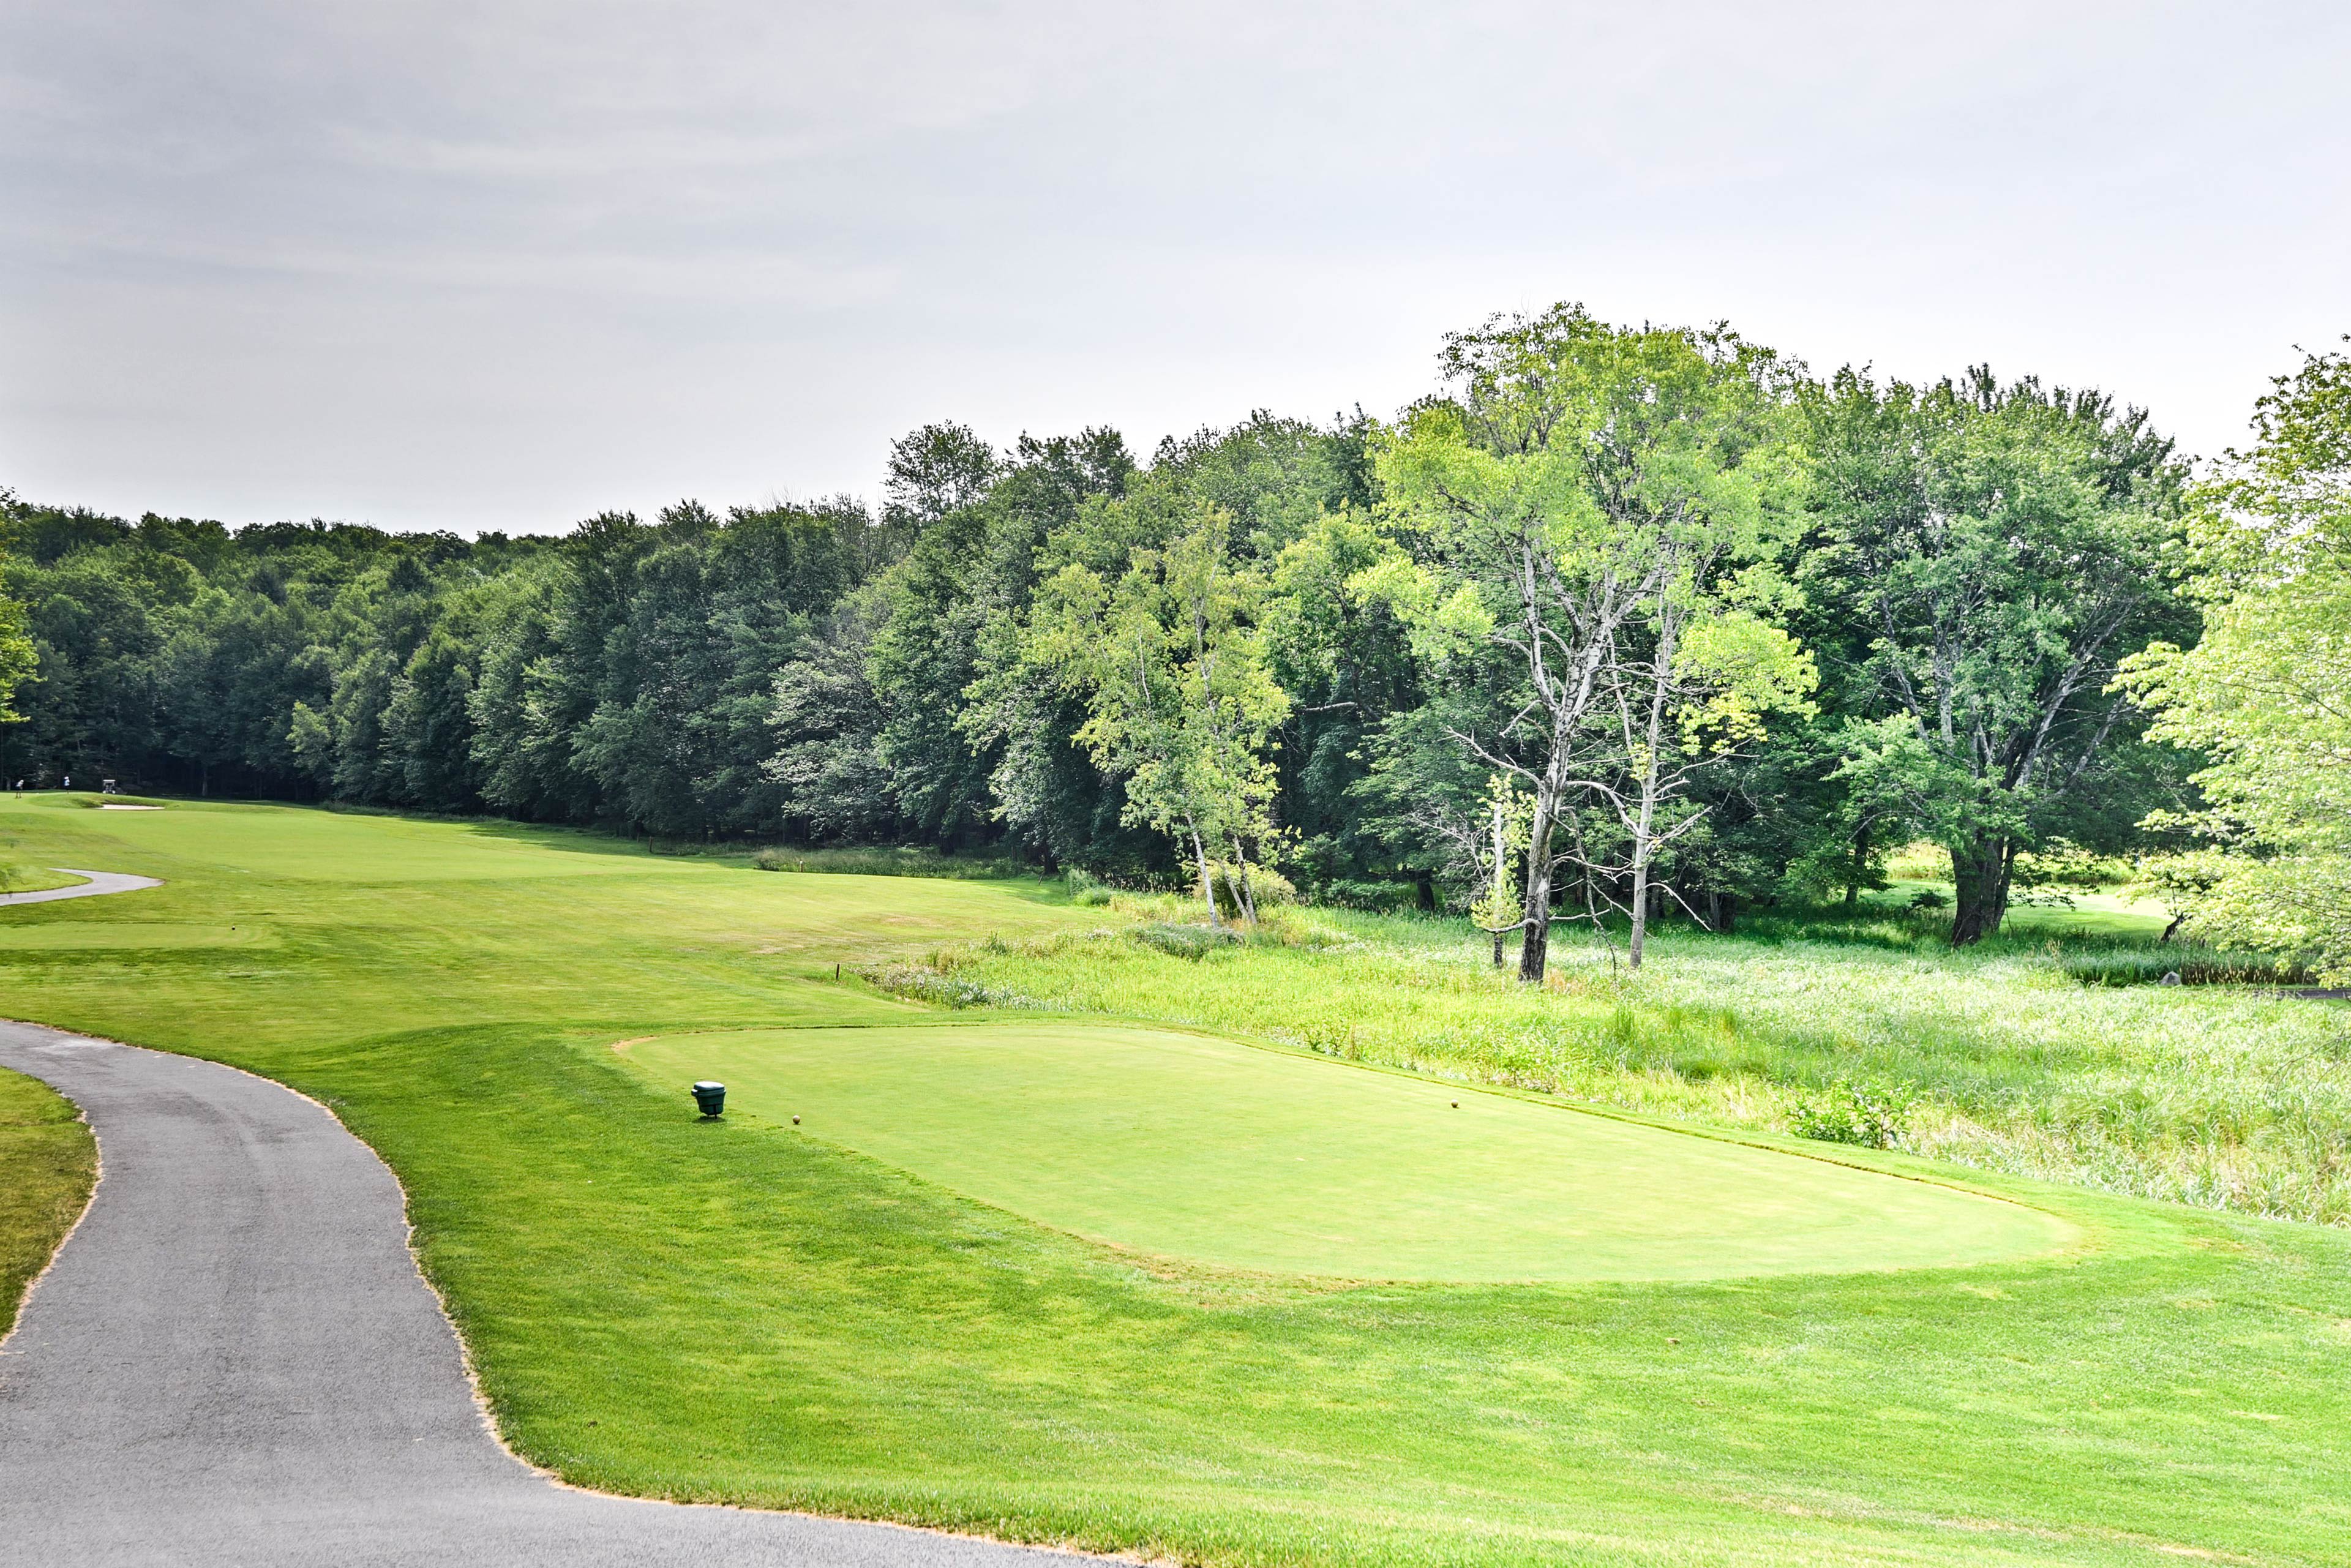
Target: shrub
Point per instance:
(1333, 1036)
(1086, 888)
(1378, 897)
(1927, 898)
(1269, 887)
(946, 990)
(1846, 1115)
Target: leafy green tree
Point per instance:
(16, 657)
(2265, 695)
(236, 662)
(2182, 881)
(428, 728)
(311, 736)
(1586, 497)
(828, 724)
(16, 654)
(1181, 704)
(364, 769)
(1491, 848)
(935, 471)
(1340, 649)
(97, 610)
(1697, 690)
(2002, 547)
(522, 693)
(967, 745)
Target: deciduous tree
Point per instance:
(2003, 547)
(1584, 496)
(2265, 695)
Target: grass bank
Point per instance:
(47, 1162)
(726, 1311)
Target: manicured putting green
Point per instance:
(1187, 1147)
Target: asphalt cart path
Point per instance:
(100, 882)
(232, 1360)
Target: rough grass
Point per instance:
(21, 873)
(47, 1162)
(881, 861)
(721, 1311)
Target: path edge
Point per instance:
(97, 1179)
(482, 1407)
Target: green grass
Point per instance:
(19, 876)
(48, 1162)
(65, 935)
(1999, 1057)
(1193, 1149)
(731, 1310)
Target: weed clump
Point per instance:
(2195, 967)
(948, 991)
(1844, 1114)
(1087, 889)
(1193, 942)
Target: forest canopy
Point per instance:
(1616, 621)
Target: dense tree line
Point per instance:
(1613, 621)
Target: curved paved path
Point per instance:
(100, 882)
(232, 1360)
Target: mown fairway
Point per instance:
(1196, 1149)
(737, 1310)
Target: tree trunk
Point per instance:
(1207, 887)
(1534, 949)
(1981, 869)
(1241, 894)
(1639, 904)
(1860, 866)
(1645, 827)
(1497, 949)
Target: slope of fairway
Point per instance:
(292, 842)
(1189, 1147)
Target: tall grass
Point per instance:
(2001, 1056)
(886, 861)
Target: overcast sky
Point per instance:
(505, 262)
